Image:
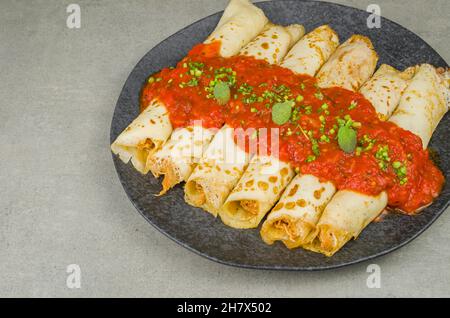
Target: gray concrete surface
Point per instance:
(60, 199)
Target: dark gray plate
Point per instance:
(199, 231)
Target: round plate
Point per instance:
(207, 236)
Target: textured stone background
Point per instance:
(60, 199)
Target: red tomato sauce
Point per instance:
(385, 158)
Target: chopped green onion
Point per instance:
(356, 124)
(319, 95)
(324, 138)
(396, 164)
(315, 147)
(353, 105)
(402, 170)
(308, 110)
(310, 158)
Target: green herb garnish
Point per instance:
(353, 105)
(401, 172)
(222, 92)
(245, 89)
(250, 99)
(310, 158)
(382, 155)
(396, 164)
(281, 112)
(347, 138)
(192, 82)
(315, 146)
(308, 110)
(324, 138)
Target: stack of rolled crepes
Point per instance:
(242, 187)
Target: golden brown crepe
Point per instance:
(352, 64)
(344, 218)
(217, 173)
(293, 220)
(256, 192)
(421, 107)
(423, 103)
(178, 157)
(273, 43)
(385, 89)
(240, 23)
(143, 136)
(312, 51)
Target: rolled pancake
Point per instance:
(314, 49)
(247, 205)
(217, 173)
(273, 43)
(351, 65)
(423, 103)
(344, 218)
(177, 167)
(296, 225)
(143, 136)
(256, 192)
(177, 158)
(295, 216)
(349, 212)
(240, 23)
(384, 89)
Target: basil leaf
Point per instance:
(281, 112)
(347, 139)
(222, 93)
